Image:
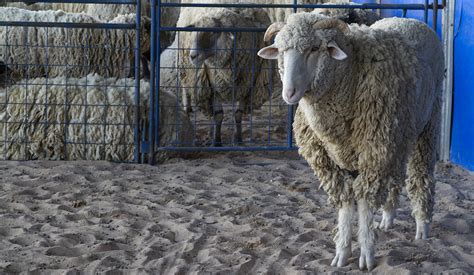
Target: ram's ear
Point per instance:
(336, 52)
(270, 52)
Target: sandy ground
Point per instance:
(223, 213)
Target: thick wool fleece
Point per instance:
(169, 15)
(237, 75)
(357, 16)
(89, 118)
(101, 11)
(38, 52)
(382, 111)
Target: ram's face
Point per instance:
(308, 67)
(209, 46)
(204, 46)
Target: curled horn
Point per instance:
(272, 31)
(332, 23)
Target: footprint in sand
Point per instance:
(63, 251)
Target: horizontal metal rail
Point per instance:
(195, 29)
(302, 6)
(119, 2)
(228, 149)
(67, 25)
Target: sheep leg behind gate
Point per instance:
(5, 74)
(344, 234)
(420, 182)
(218, 117)
(238, 114)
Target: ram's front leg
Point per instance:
(344, 234)
(366, 235)
(334, 180)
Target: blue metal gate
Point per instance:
(251, 144)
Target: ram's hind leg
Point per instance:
(343, 235)
(389, 208)
(420, 181)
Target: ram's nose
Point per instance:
(292, 95)
(197, 58)
(193, 55)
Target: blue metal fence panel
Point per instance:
(67, 83)
(462, 144)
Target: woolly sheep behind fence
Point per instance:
(75, 52)
(87, 118)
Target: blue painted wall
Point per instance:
(462, 144)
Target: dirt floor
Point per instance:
(215, 213)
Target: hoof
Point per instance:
(342, 257)
(367, 259)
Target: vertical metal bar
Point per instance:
(45, 129)
(27, 61)
(446, 110)
(404, 13)
(66, 121)
(435, 15)
(136, 133)
(5, 123)
(214, 102)
(252, 90)
(379, 11)
(270, 87)
(234, 77)
(151, 141)
(157, 77)
(144, 136)
(86, 61)
(289, 139)
(178, 123)
(107, 54)
(425, 11)
(177, 120)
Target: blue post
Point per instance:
(425, 11)
(157, 77)
(136, 133)
(151, 130)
